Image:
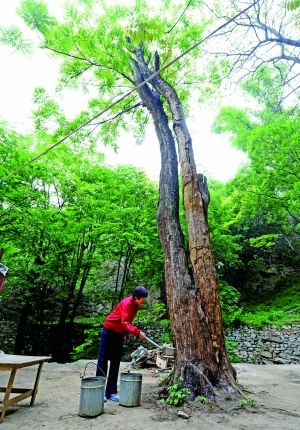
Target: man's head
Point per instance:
(139, 294)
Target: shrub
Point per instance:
(231, 348)
(229, 297)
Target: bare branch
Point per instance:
(265, 34)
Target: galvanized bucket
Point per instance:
(91, 402)
(130, 389)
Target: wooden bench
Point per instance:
(12, 363)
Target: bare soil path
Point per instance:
(276, 390)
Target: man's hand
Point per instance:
(142, 335)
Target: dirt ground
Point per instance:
(275, 389)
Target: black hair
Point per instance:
(139, 292)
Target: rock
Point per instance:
(280, 361)
(266, 354)
(182, 414)
(275, 339)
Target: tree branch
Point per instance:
(118, 114)
(87, 60)
(254, 38)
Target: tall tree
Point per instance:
(121, 47)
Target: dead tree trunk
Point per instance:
(193, 300)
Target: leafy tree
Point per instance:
(265, 194)
(122, 47)
(222, 219)
(65, 221)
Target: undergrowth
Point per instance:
(280, 309)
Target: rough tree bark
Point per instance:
(193, 297)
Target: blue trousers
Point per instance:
(110, 348)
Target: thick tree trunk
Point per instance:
(194, 306)
(213, 355)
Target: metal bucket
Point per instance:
(130, 389)
(91, 396)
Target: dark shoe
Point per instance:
(114, 397)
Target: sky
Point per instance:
(19, 75)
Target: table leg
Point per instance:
(36, 384)
(7, 393)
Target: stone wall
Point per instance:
(257, 346)
(271, 345)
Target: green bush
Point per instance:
(230, 298)
(150, 315)
(87, 348)
(156, 316)
(231, 351)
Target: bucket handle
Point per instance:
(91, 362)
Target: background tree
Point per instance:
(65, 221)
(265, 193)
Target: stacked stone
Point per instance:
(270, 345)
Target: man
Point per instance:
(117, 325)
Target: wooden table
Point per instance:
(12, 363)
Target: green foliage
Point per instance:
(87, 348)
(222, 219)
(203, 400)
(166, 334)
(229, 297)
(36, 15)
(259, 317)
(231, 351)
(150, 314)
(249, 402)
(264, 196)
(258, 86)
(288, 299)
(236, 122)
(97, 41)
(177, 395)
(292, 4)
(12, 36)
(154, 315)
(75, 233)
(282, 308)
(165, 378)
(264, 241)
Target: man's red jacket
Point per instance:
(121, 317)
